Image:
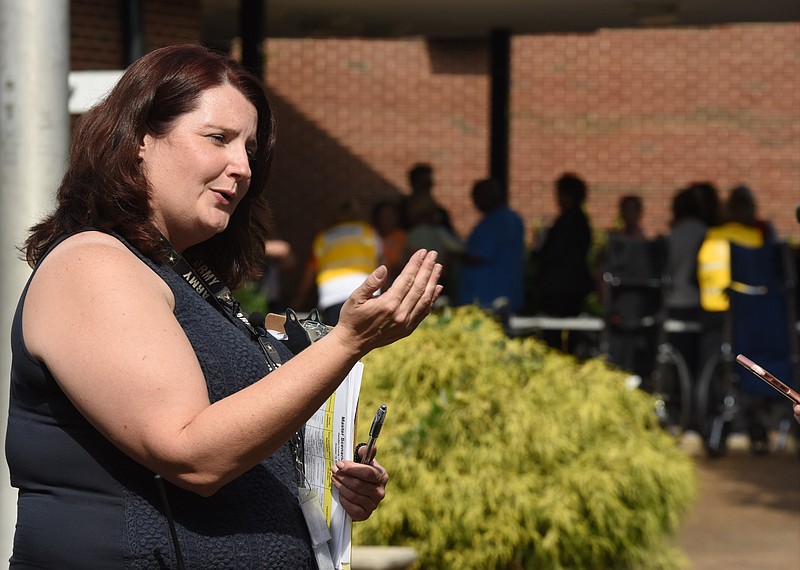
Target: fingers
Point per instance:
(368, 321)
(373, 283)
(361, 451)
(417, 286)
(424, 302)
(361, 487)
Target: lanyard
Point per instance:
(203, 280)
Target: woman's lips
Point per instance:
(226, 196)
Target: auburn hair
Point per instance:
(105, 186)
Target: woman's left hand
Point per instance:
(361, 487)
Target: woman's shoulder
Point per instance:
(93, 257)
(87, 249)
(91, 239)
(87, 278)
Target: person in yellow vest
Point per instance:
(342, 256)
(741, 227)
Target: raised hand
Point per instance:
(368, 321)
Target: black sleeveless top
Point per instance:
(83, 504)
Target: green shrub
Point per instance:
(251, 299)
(504, 454)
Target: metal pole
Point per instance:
(34, 134)
(133, 27)
(501, 80)
(251, 16)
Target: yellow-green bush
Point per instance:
(504, 454)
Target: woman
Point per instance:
(124, 371)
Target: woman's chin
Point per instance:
(218, 224)
(206, 232)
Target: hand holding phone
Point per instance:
(793, 395)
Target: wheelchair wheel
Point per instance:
(672, 389)
(716, 406)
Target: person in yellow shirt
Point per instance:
(342, 256)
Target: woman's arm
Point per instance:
(102, 322)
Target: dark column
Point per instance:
(251, 15)
(133, 29)
(501, 77)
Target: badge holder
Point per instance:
(317, 527)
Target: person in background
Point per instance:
(707, 196)
(630, 215)
(741, 226)
(279, 258)
(137, 391)
(492, 262)
(627, 227)
(421, 182)
(562, 278)
(386, 221)
(342, 256)
(687, 230)
(682, 295)
(427, 233)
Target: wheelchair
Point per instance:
(636, 332)
(760, 323)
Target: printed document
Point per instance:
(329, 438)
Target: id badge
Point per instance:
(317, 527)
(315, 518)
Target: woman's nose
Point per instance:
(239, 166)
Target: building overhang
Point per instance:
(469, 19)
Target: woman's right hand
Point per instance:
(368, 321)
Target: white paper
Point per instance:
(329, 438)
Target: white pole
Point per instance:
(34, 134)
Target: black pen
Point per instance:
(374, 432)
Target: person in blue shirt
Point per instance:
(492, 263)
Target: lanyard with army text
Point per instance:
(203, 280)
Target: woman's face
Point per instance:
(199, 171)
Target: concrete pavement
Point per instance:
(747, 515)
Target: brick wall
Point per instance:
(172, 22)
(96, 34)
(356, 114)
(632, 111)
(649, 111)
(97, 29)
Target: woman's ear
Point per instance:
(144, 144)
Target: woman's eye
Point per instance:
(218, 138)
(251, 155)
